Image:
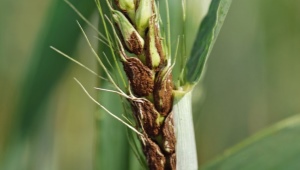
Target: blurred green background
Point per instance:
(251, 81)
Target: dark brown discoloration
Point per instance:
(163, 93)
(155, 158)
(158, 40)
(134, 44)
(158, 45)
(151, 79)
(171, 162)
(147, 52)
(168, 134)
(147, 115)
(140, 77)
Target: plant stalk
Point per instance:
(185, 136)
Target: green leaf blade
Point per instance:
(206, 36)
(276, 147)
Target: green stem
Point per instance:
(185, 145)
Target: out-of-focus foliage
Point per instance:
(252, 77)
(251, 80)
(273, 148)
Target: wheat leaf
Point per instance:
(206, 36)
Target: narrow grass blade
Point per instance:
(276, 147)
(46, 66)
(206, 36)
(44, 71)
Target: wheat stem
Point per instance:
(185, 136)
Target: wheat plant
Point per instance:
(130, 125)
(143, 46)
(133, 124)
